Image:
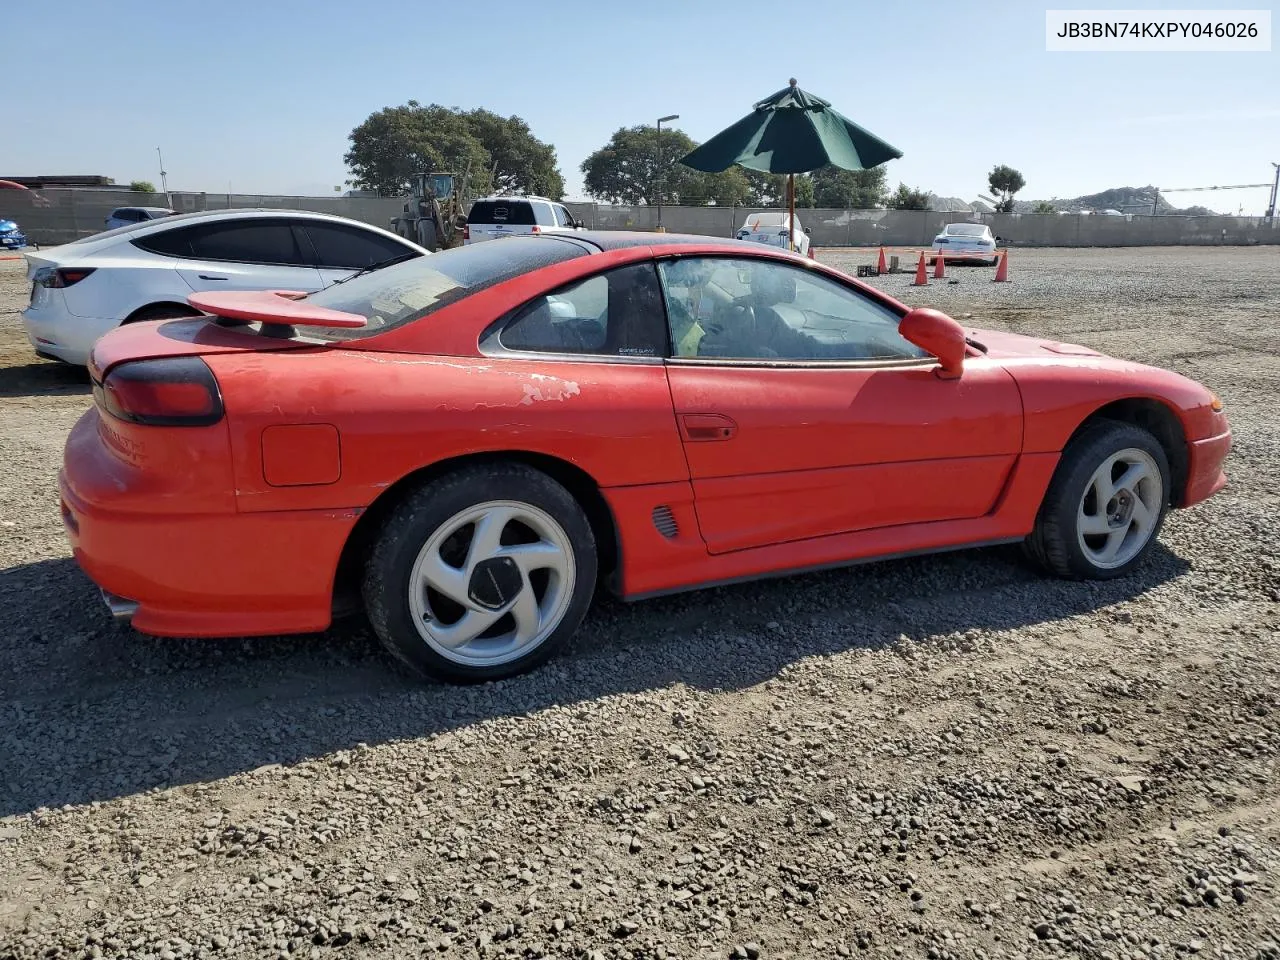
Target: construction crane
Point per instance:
(1271, 207)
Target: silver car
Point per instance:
(967, 242)
(126, 216)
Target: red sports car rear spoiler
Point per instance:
(284, 307)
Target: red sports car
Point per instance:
(465, 444)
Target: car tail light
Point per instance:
(167, 392)
(466, 232)
(62, 276)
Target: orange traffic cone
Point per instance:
(1002, 271)
(922, 277)
(939, 271)
(881, 266)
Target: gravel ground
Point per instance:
(937, 757)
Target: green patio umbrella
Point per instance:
(791, 132)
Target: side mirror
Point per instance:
(936, 333)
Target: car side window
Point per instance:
(542, 214)
(756, 309)
(246, 241)
(616, 313)
(168, 243)
(562, 216)
(340, 247)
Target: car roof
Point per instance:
(516, 196)
(148, 227)
(622, 239)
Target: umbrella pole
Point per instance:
(791, 204)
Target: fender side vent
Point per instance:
(665, 522)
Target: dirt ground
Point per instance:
(937, 757)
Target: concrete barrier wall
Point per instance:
(56, 216)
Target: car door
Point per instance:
(246, 253)
(340, 249)
(803, 413)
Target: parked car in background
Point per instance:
(771, 227)
(967, 242)
(124, 216)
(146, 271)
(466, 445)
(493, 217)
(11, 236)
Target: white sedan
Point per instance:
(83, 289)
(771, 228)
(967, 242)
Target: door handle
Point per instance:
(209, 276)
(701, 427)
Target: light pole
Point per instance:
(164, 179)
(661, 174)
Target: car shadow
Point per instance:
(92, 710)
(43, 378)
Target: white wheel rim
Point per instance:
(492, 583)
(1120, 508)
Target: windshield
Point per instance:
(768, 220)
(404, 292)
(966, 229)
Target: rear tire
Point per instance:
(427, 235)
(161, 311)
(1105, 505)
(481, 574)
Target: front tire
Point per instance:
(1105, 505)
(482, 574)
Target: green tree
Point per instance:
(849, 189)
(905, 198)
(518, 161)
(723, 188)
(142, 186)
(1005, 181)
(635, 167)
(395, 143)
(1044, 206)
(770, 189)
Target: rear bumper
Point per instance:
(964, 254)
(1205, 475)
(53, 331)
(178, 574)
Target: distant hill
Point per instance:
(1135, 200)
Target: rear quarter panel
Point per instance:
(396, 413)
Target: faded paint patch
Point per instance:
(535, 387)
(551, 389)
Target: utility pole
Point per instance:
(164, 180)
(1275, 187)
(661, 173)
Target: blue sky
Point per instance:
(261, 96)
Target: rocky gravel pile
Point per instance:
(943, 757)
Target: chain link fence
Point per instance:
(53, 216)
